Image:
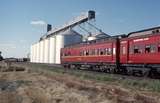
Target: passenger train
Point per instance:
(137, 53)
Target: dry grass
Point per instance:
(45, 85)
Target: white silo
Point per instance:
(34, 53)
(59, 45)
(52, 50)
(31, 53)
(65, 38)
(35, 46)
(37, 53)
(46, 51)
(41, 51)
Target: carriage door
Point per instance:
(123, 52)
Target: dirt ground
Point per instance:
(23, 87)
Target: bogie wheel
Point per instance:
(129, 72)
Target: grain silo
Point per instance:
(37, 53)
(41, 51)
(65, 38)
(31, 53)
(46, 50)
(34, 53)
(52, 50)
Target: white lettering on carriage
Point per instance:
(137, 40)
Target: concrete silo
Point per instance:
(65, 38)
(59, 44)
(31, 53)
(41, 51)
(46, 50)
(52, 49)
(37, 53)
(34, 57)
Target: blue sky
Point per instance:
(113, 17)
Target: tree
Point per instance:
(1, 57)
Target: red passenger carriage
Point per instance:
(139, 52)
(102, 53)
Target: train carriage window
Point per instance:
(87, 52)
(153, 48)
(63, 54)
(157, 31)
(159, 48)
(150, 48)
(81, 53)
(137, 50)
(69, 53)
(92, 52)
(106, 51)
(102, 51)
(147, 49)
(109, 51)
(84, 52)
(114, 51)
(123, 50)
(96, 52)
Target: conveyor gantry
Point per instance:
(78, 20)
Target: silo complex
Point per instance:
(48, 50)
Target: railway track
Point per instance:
(89, 71)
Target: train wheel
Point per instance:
(145, 73)
(102, 68)
(112, 70)
(129, 72)
(77, 66)
(152, 73)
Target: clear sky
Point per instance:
(113, 17)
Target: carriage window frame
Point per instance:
(102, 52)
(150, 48)
(92, 52)
(87, 52)
(158, 48)
(123, 50)
(109, 51)
(81, 53)
(137, 49)
(147, 48)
